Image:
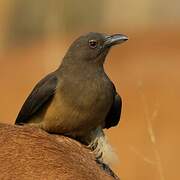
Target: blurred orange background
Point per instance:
(34, 36)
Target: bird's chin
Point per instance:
(105, 52)
(102, 55)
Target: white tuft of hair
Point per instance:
(102, 149)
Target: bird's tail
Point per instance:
(102, 149)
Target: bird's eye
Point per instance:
(93, 43)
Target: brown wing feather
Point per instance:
(113, 117)
(42, 93)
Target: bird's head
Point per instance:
(93, 47)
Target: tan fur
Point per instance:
(30, 153)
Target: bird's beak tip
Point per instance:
(115, 39)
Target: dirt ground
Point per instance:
(146, 73)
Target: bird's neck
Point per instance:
(81, 70)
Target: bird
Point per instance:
(78, 99)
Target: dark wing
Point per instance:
(113, 117)
(42, 93)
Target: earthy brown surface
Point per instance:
(146, 73)
(30, 153)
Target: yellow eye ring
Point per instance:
(93, 43)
